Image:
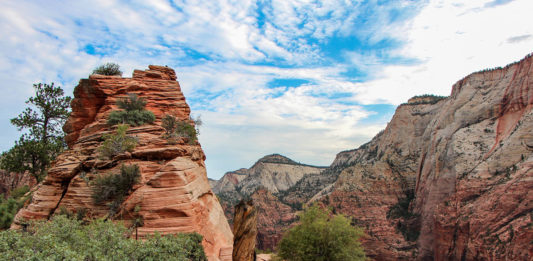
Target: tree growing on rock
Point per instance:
(108, 69)
(133, 112)
(44, 140)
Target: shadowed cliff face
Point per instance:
(173, 194)
(244, 231)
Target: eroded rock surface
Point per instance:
(173, 194)
(244, 231)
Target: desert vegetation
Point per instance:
(114, 187)
(43, 139)
(175, 128)
(63, 238)
(108, 69)
(117, 143)
(133, 112)
(320, 235)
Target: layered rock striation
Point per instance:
(173, 194)
(244, 231)
(450, 178)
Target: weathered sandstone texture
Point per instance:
(173, 194)
(244, 231)
(448, 179)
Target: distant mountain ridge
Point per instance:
(268, 176)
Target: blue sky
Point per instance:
(306, 79)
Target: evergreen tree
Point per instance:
(43, 120)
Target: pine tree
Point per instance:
(43, 119)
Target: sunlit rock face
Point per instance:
(173, 194)
(448, 179)
(265, 182)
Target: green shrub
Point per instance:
(175, 128)
(133, 112)
(108, 69)
(322, 236)
(117, 143)
(68, 239)
(133, 118)
(8, 210)
(132, 103)
(115, 186)
(20, 191)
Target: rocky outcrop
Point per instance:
(244, 231)
(173, 194)
(475, 177)
(272, 174)
(274, 218)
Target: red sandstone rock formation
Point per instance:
(244, 231)
(173, 195)
(471, 157)
(448, 179)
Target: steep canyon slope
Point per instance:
(173, 194)
(268, 177)
(450, 178)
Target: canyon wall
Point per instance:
(450, 178)
(173, 194)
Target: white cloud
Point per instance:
(452, 39)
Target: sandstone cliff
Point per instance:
(244, 231)
(448, 179)
(173, 194)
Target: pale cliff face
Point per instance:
(475, 179)
(174, 193)
(460, 167)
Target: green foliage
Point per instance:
(19, 192)
(132, 103)
(8, 210)
(115, 186)
(36, 149)
(133, 112)
(175, 128)
(9, 207)
(68, 239)
(115, 144)
(321, 236)
(108, 69)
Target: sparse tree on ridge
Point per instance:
(44, 140)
